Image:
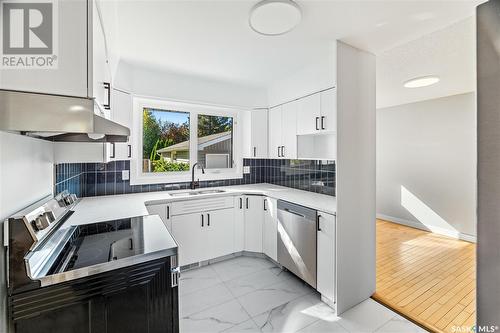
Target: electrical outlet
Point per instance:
(246, 169)
(125, 174)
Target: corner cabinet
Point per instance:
(326, 255)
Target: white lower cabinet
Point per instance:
(188, 233)
(270, 229)
(162, 210)
(219, 231)
(239, 223)
(204, 235)
(326, 255)
(254, 217)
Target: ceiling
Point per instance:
(212, 39)
(448, 53)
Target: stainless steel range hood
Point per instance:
(57, 118)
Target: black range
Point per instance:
(108, 276)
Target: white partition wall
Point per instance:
(355, 176)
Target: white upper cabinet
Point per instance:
(71, 75)
(283, 131)
(275, 125)
(289, 130)
(101, 71)
(309, 114)
(259, 134)
(317, 113)
(328, 120)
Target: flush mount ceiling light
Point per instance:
(275, 17)
(423, 81)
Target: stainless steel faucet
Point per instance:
(195, 184)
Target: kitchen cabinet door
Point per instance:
(101, 72)
(70, 76)
(254, 216)
(328, 120)
(163, 211)
(219, 230)
(289, 130)
(309, 114)
(270, 229)
(259, 144)
(326, 255)
(239, 224)
(275, 137)
(188, 232)
(121, 112)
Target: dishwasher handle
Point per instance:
(294, 213)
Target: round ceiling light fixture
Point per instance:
(275, 17)
(423, 81)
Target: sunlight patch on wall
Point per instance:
(424, 214)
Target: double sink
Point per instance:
(200, 192)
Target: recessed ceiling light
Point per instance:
(275, 17)
(423, 81)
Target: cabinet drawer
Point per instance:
(201, 205)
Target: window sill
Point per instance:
(185, 177)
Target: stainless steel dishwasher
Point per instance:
(297, 240)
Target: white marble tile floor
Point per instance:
(249, 294)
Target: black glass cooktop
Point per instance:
(102, 242)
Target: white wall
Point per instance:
(355, 175)
(26, 175)
(317, 75)
(147, 82)
(426, 165)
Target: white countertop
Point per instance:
(103, 208)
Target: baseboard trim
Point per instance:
(436, 230)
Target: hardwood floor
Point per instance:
(428, 278)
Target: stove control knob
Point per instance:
(50, 216)
(42, 222)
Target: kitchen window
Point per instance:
(170, 137)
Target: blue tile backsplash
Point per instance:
(95, 179)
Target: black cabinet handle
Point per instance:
(107, 86)
(208, 220)
(265, 206)
(112, 150)
(317, 126)
(282, 151)
(168, 212)
(254, 151)
(241, 203)
(247, 203)
(129, 150)
(319, 228)
(202, 220)
(322, 122)
(279, 151)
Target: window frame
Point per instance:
(138, 177)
